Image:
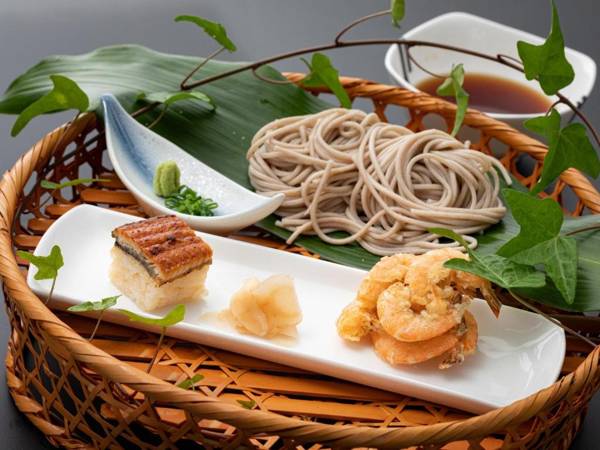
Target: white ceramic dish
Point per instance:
(135, 152)
(483, 35)
(518, 354)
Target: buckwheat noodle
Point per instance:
(345, 170)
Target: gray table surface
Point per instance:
(33, 29)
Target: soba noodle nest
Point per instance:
(345, 170)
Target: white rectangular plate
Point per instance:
(518, 354)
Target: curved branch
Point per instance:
(182, 85)
(579, 114)
(359, 21)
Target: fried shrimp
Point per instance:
(397, 352)
(467, 344)
(355, 322)
(388, 270)
(415, 309)
(408, 322)
(428, 279)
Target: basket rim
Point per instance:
(256, 421)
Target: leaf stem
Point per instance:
(528, 305)
(214, 54)
(97, 325)
(159, 117)
(583, 229)
(163, 330)
(49, 298)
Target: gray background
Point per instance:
(33, 29)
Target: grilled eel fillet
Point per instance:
(165, 245)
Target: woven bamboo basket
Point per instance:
(97, 395)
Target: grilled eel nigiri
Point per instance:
(159, 261)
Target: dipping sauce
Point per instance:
(493, 94)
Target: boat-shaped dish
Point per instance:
(135, 151)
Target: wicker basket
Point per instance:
(97, 395)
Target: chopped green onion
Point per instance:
(186, 201)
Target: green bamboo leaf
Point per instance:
(173, 317)
(559, 257)
(64, 95)
(397, 8)
(102, 305)
(47, 266)
(46, 184)
(168, 98)
(539, 221)
(187, 384)
(453, 86)
(548, 63)
(213, 29)
(323, 74)
(567, 147)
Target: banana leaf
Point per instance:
(221, 137)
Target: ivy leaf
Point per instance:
(559, 256)
(213, 29)
(500, 271)
(102, 305)
(567, 147)
(187, 384)
(497, 269)
(173, 317)
(47, 266)
(168, 98)
(248, 404)
(398, 9)
(65, 94)
(323, 74)
(452, 86)
(547, 62)
(46, 184)
(540, 220)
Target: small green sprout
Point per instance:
(173, 317)
(102, 305)
(47, 266)
(191, 382)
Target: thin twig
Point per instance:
(427, 71)
(582, 230)
(359, 21)
(551, 107)
(551, 319)
(162, 336)
(97, 325)
(160, 116)
(144, 109)
(346, 44)
(199, 66)
(579, 114)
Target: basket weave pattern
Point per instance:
(97, 395)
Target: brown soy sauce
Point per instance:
(493, 94)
